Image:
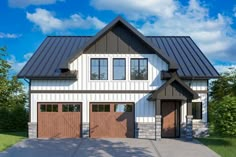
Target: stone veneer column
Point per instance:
(32, 129)
(158, 127)
(189, 127)
(85, 130)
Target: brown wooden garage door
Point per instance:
(59, 120)
(111, 120)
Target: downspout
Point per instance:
(29, 96)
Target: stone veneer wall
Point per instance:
(145, 130)
(32, 130)
(85, 130)
(200, 129)
(189, 127)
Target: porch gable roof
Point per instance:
(174, 88)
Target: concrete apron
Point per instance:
(107, 148)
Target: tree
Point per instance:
(224, 113)
(222, 107)
(225, 85)
(13, 114)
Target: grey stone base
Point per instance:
(189, 127)
(200, 129)
(85, 130)
(182, 130)
(145, 130)
(158, 127)
(32, 129)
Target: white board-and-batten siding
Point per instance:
(82, 65)
(144, 110)
(202, 98)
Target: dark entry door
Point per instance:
(170, 114)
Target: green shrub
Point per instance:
(223, 116)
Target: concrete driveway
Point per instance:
(107, 148)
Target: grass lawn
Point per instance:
(7, 139)
(225, 146)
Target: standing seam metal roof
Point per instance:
(54, 50)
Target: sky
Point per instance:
(211, 24)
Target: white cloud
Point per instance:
(225, 68)
(137, 9)
(47, 22)
(9, 35)
(214, 35)
(18, 65)
(234, 11)
(25, 3)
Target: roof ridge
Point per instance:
(149, 36)
(175, 36)
(69, 36)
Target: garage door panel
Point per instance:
(63, 121)
(115, 123)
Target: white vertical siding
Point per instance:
(144, 110)
(197, 85)
(82, 65)
(203, 99)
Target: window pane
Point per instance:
(107, 108)
(49, 108)
(65, 108)
(55, 108)
(139, 69)
(94, 69)
(77, 108)
(197, 110)
(95, 108)
(103, 69)
(143, 74)
(119, 69)
(134, 69)
(122, 108)
(71, 108)
(42, 108)
(128, 108)
(101, 108)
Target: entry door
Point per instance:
(170, 123)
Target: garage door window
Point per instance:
(123, 108)
(49, 108)
(101, 108)
(70, 108)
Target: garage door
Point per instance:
(59, 120)
(111, 120)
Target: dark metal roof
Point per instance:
(55, 50)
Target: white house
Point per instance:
(118, 83)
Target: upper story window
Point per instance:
(197, 110)
(119, 69)
(139, 69)
(99, 69)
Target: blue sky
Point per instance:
(211, 24)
